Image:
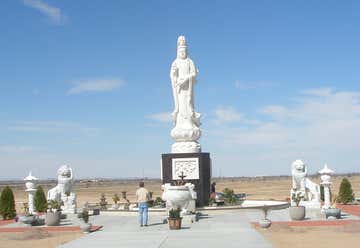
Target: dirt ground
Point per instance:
(37, 238)
(283, 236)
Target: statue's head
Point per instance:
(64, 171)
(181, 47)
(298, 165)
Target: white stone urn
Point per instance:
(178, 196)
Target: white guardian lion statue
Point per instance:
(300, 182)
(62, 192)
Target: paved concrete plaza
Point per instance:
(214, 229)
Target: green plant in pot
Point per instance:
(158, 203)
(229, 196)
(103, 202)
(40, 202)
(85, 226)
(7, 204)
(297, 212)
(53, 215)
(27, 218)
(346, 194)
(116, 199)
(174, 219)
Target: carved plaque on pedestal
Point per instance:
(188, 167)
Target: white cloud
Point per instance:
(97, 85)
(318, 92)
(161, 117)
(53, 126)
(15, 149)
(320, 126)
(52, 12)
(249, 85)
(226, 114)
(275, 111)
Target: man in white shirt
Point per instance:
(142, 198)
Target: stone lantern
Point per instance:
(30, 184)
(325, 181)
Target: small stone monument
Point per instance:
(63, 191)
(325, 181)
(30, 184)
(186, 157)
(300, 182)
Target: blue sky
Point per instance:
(87, 83)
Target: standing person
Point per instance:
(142, 198)
(213, 191)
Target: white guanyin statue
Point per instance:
(187, 122)
(63, 192)
(300, 182)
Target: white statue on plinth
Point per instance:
(301, 183)
(63, 192)
(187, 122)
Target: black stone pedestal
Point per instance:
(195, 166)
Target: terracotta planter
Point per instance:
(297, 213)
(52, 218)
(174, 224)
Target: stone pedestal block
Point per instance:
(196, 167)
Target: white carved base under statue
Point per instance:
(69, 204)
(181, 196)
(186, 147)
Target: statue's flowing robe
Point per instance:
(184, 69)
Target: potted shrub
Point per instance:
(85, 226)
(40, 202)
(346, 194)
(174, 219)
(297, 212)
(116, 199)
(7, 204)
(53, 215)
(158, 203)
(103, 202)
(27, 218)
(229, 196)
